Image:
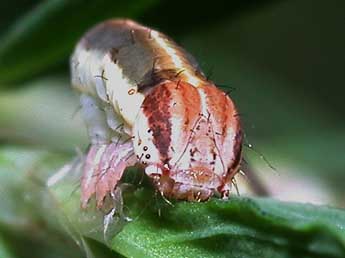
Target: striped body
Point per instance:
(137, 84)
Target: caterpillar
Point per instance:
(145, 100)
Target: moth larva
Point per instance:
(145, 100)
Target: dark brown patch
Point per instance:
(131, 91)
(154, 77)
(214, 154)
(156, 109)
(237, 152)
(113, 54)
(193, 151)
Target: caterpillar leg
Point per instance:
(103, 168)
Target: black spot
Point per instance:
(148, 156)
(166, 161)
(131, 91)
(145, 148)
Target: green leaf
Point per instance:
(4, 250)
(46, 35)
(239, 227)
(43, 112)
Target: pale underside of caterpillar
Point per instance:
(145, 101)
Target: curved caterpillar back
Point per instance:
(145, 100)
(118, 61)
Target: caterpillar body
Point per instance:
(145, 100)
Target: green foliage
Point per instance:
(45, 36)
(4, 252)
(240, 227)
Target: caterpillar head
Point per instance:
(189, 139)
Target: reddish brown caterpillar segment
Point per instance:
(172, 119)
(192, 133)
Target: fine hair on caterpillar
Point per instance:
(182, 130)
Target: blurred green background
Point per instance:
(284, 59)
